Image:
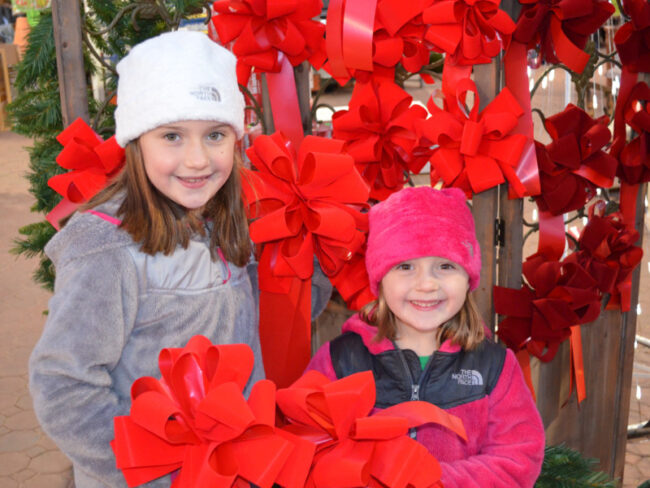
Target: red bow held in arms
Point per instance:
(561, 28)
(196, 420)
(379, 128)
(355, 447)
(476, 151)
(92, 163)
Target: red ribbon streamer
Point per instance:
(92, 163)
(353, 447)
(306, 203)
(379, 128)
(561, 28)
(476, 151)
(196, 421)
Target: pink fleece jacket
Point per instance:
(505, 445)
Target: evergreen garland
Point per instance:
(109, 28)
(566, 468)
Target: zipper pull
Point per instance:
(415, 392)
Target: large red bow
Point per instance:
(574, 164)
(355, 447)
(562, 28)
(92, 163)
(607, 252)
(196, 419)
(305, 204)
(470, 31)
(380, 130)
(264, 28)
(632, 39)
(476, 151)
(558, 295)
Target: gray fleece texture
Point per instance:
(113, 309)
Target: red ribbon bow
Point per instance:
(574, 164)
(634, 157)
(559, 295)
(476, 151)
(380, 130)
(352, 281)
(607, 252)
(470, 31)
(92, 163)
(264, 28)
(355, 447)
(562, 28)
(632, 39)
(196, 419)
(307, 204)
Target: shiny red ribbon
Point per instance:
(632, 39)
(367, 38)
(476, 151)
(196, 421)
(379, 128)
(539, 316)
(470, 32)
(607, 252)
(574, 163)
(352, 282)
(262, 29)
(304, 204)
(92, 163)
(561, 28)
(355, 447)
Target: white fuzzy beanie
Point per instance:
(176, 76)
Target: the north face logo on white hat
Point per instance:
(207, 93)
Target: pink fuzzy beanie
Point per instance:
(419, 222)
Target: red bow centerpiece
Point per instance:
(92, 163)
(476, 151)
(306, 203)
(561, 28)
(196, 420)
(380, 130)
(355, 447)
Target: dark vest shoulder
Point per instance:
(449, 380)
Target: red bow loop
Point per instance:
(632, 39)
(196, 420)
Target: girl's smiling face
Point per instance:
(423, 294)
(189, 161)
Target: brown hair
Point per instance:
(160, 224)
(464, 329)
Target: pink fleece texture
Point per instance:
(505, 445)
(419, 222)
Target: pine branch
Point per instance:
(566, 468)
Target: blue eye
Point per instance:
(215, 136)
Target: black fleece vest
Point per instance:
(448, 380)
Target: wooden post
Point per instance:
(66, 18)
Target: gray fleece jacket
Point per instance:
(114, 308)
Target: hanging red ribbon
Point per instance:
(561, 28)
(476, 151)
(196, 421)
(632, 39)
(271, 37)
(306, 203)
(379, 128)
(352, 281)
(92, 163)
(607, 252)
(355, 447)
(470, 32)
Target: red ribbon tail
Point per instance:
(552, 239)
(63, 209)
(284, 102)
(285, 332)
(523, 357)
(577, 366)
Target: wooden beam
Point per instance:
(66, 17)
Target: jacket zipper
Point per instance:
(415, 387)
